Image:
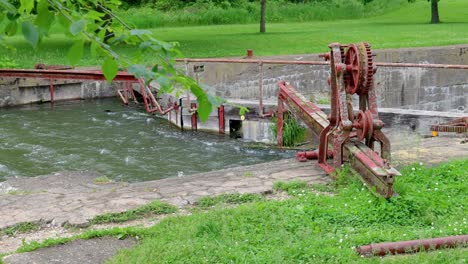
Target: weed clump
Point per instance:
(153, 208)
(293, 132)
(229, 198)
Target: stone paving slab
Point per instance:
(74, 197)
(92, 251)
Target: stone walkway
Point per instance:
(74, 197)
(90, 251)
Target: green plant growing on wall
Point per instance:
(293, 132)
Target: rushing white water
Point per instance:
(119, 142)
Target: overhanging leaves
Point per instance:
(30, 33)
(110, 69)
(76, 52)
(204, 105)
(77, 27)
(11, 28)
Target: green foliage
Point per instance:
(293, 132)
(94, 22)
(243, 12)
(120, 233)
(102, 180)
(153, 208)
(110, 69)
(19, 228)
(314, 228)
(308, 228)
(30, 33)
(405, 27)
(292, 187)
(7, 62)
(229, 198)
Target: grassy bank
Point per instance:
(406, 27)
(313, 228)
(317, 224)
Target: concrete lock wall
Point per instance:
(408, 88)
(19, 91)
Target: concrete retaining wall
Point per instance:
(409, 88)
(19, 91)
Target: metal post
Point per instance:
(280, 114)
(181, 115)
(193, 107)
(222, 124)
(260, 90)
(51, 90)
(187, 72)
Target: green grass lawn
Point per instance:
(318, 228)
(407, 27)
(317, 224)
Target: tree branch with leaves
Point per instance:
(86, 22)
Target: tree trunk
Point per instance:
(435, 11)
(262, 15)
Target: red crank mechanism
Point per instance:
(346, 135)
(359, 68)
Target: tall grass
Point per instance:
(249, 12)
(293, 132)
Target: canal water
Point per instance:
(122, 143)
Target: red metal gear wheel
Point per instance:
(353, 69)
(368, 76)
(370, 121)
(362, 126)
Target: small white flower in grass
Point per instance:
(455, 229)
(436, 189)
(432, 227)
(341, 240)
(420, 163)
(369, 201)
(436, 183)
(413, 169)
(346, 205)
(404, 234)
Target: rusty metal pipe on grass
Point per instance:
(412, 246)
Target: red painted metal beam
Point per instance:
(64, 74)
(411, 246)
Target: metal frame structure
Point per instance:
(350, 135)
